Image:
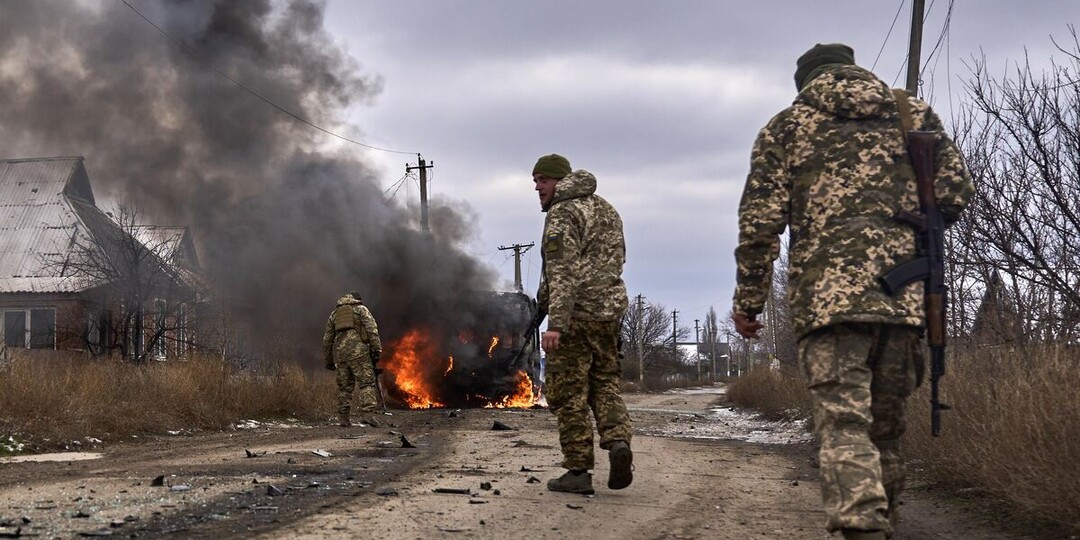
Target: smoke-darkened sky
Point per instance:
(661, 100)
(283, 224)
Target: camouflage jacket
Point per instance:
(583, 252)
(834, 168)
(356, 342)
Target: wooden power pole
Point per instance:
(518, 250)
(915, 47)
(422, 167)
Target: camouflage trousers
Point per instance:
(356, 371)
(582, 375)
(860, 376)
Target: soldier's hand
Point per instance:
(745, 325)
(549, 340)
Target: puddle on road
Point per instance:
(58, 456)
(726, 423)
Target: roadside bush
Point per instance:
(1013, 432)
(774, 393)
(49, 402)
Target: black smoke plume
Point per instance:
(283, 225)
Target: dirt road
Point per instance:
(691, 481)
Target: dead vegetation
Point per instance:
(52, 402)
(1013, 432)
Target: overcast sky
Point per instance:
(660, 100)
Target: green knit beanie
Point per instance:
(820, 55)
(552, 166)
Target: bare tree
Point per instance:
(136, 302)
(647, 335)
(1020, 135)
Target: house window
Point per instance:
(181, 331)
(159, 329)
(30, 328)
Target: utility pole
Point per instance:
(518, 250)
(675, 333)
(422, 167)
(697, 348)
(915, 47)
(641, 337)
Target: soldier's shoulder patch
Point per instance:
(553, 243)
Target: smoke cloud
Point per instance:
(284, 227)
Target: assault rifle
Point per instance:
(378, 387)
(928, 266)
(530, 334)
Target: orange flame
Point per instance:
(407, 366)
(522, 397)
(494, 343)
(449, 366)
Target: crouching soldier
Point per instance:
(351, 346)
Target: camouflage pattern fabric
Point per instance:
(859, 377)
(356, 371)
(583, 253)
(582, 375)
(350, 352)
(833, 167)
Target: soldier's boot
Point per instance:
(856, 534)
(343, 420)
(370, 420)
(572, 483)
(622, 465)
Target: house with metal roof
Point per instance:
(73, 277)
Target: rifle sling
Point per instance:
(904, 108)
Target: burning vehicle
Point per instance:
(489, 358)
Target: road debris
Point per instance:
(405, 443)
(499, 426)
(158, 481)
(456, 491)
(321, 453)
(386, 491)
(274, 491)
(250, 454)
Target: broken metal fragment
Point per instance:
(499, 426)
(386, 491)
(158, 481)
(456, 491)
(406, 444)
(274, 491)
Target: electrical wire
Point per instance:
(891, 26)
(298, 118)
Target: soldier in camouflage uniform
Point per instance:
(583, 293)
(351, 346)
(833, 167)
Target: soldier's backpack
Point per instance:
(347, 319)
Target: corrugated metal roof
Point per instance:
(38, 222)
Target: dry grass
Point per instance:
(52, 401)
(773, 393)
(1014, 431)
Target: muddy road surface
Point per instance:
(702, 470)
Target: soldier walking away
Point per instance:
(351, 346)
(834, 168)
(582, 291)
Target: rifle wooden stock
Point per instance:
(929, 265)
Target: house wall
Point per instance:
(68, 320)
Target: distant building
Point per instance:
(74, 278)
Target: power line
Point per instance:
(941, 37)
(192, 53)
(891, 26)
